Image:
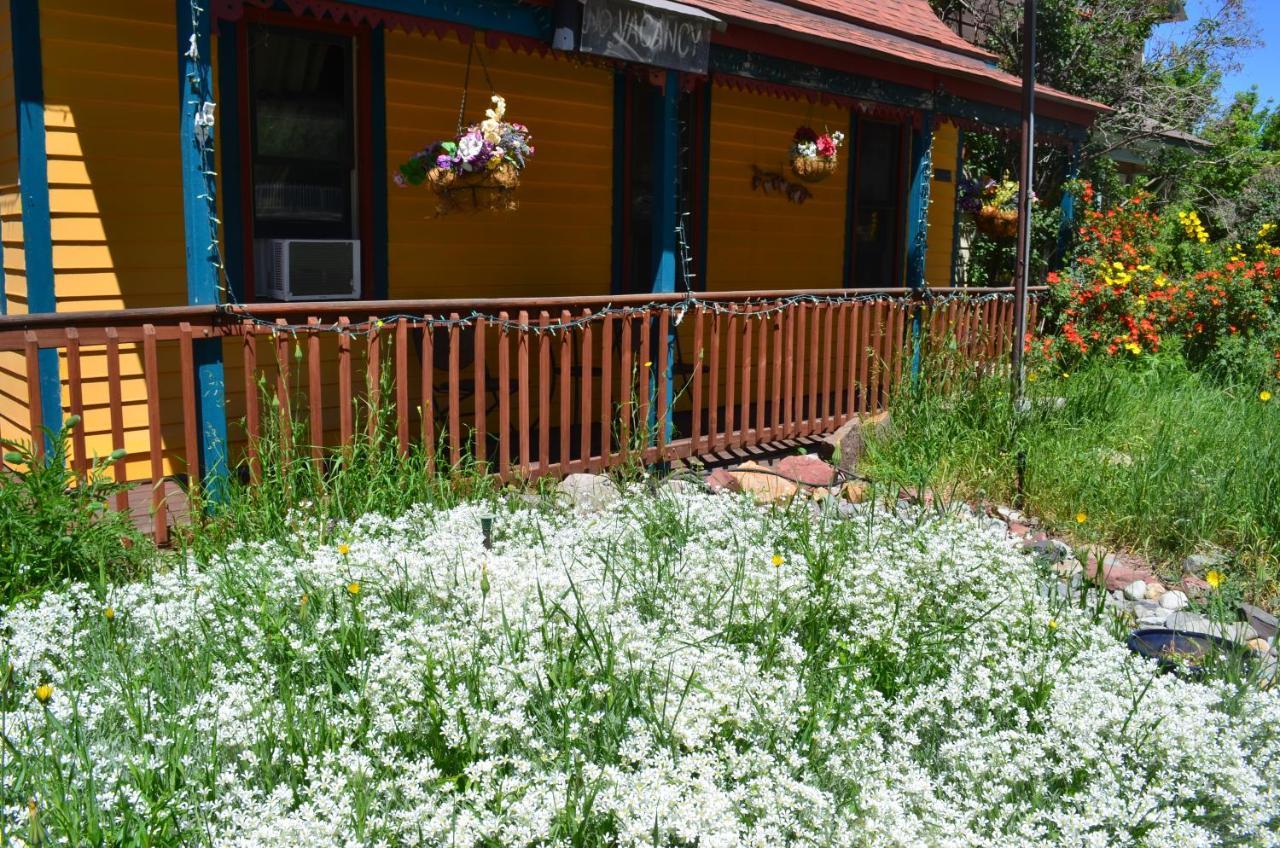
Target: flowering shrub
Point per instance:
(482, 148)
(677, 670)
(1136, 283)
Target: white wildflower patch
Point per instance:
(678, 670)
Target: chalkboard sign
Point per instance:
(665, 34)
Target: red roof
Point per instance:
(902, 31)
(913, 19)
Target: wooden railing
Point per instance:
(524, 387)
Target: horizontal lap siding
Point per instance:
(942, 207)
(13, 382)
(766, 242)
(115, 195)
(558, 241)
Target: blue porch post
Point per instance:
(665, 179)
(921, 172)
(33, 179)
(199, 182)
(1067, 218)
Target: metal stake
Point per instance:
(1026, 170)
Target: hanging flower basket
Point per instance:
(814, 157)
(491, 190)
(478, 170)
(996, 222)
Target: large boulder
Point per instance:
(763, 484)
(846, 446)
(807, 468)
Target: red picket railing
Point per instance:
(524, 387)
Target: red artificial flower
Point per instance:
(826, 146)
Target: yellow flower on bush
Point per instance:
(1214, 579)
(1133, 347)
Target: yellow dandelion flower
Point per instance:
(1082, 517)
(777, 560)
(109, 613)
(44, 692)
(353, 588)
(1032, 377)
(1214, 579)
(1053, 624)
(1264, 395)
(344, 549)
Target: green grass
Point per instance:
(1158, 459)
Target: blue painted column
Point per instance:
(1067, 217)
(33, 179)
(199, 185)
(666, 176)
(921, 173)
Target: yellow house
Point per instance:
(189, 153)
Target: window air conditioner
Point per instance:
(307, 269)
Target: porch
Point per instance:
(517, 387)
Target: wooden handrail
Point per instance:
(207, 321)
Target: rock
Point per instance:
(1150, 614)
(1051, 550)
(762, 484)
(1069, 568)
(1173, 600)
(845, 447)
(1136, 591)
(720, 480)
(807, 468)
(591, 492)
(1262, 646)
(1205, 559)
(1155, 591)
(1013, 516)
(1194, 586)
(1188, 622)
(855, 491)
(1260, 620)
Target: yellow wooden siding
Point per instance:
(942, 207)
(558, 241)
(115, 197)
(13, 380)
(766, 242)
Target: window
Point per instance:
(302, 119)
(877, 205)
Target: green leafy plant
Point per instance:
(55, 525)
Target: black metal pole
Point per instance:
(1026, 167)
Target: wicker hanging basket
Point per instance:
(484, 191)
(996, 222)
(813, 169)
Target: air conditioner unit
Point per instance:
(307, 269)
